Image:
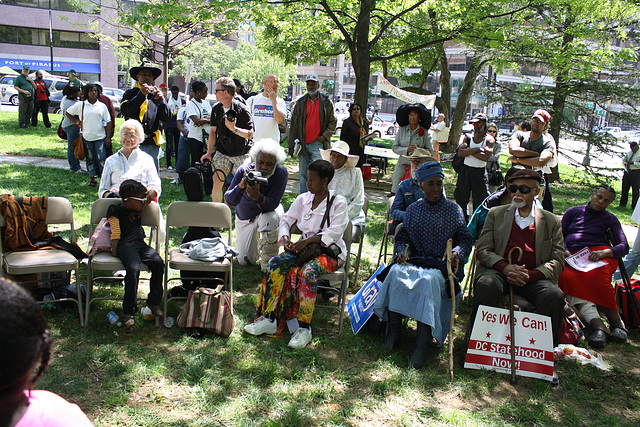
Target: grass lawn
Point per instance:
(160, 377)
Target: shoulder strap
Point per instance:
(199, 109)
(326, 213)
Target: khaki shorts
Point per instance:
(227, 163)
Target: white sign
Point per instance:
(490, 344)
(403, 95)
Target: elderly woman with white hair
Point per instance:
(347, 182)
(256, 192)
(130, 162)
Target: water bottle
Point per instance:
(169, 322)
(114, 319)
(147, 314)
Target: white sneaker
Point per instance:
(300, 338)
(176, 181)
(262, 325)
(169, 168)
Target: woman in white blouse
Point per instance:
(288, 292)
(91, 116)
(130, 162)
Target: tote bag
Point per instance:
(208, 309)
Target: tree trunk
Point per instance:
(444, 106)
(361, 53)
(560, 94)
(461, 105)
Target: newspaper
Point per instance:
(580, 261)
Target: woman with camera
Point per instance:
(130, 162)
(288, 290)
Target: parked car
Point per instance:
(9, 94)
(378, 126)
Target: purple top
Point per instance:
(247, 208)
(583, 226)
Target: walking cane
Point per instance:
(448, 255)
(512, 320)
(632, 302)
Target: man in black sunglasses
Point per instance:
(539, 234)
(536, 150)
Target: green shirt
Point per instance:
(22, 82)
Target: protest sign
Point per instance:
(360, 308)
(490, 343)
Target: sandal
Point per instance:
(92, 184)
(598, 338)
(129, 321)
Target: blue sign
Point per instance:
(36, 64)
(360, 308)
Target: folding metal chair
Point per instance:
(59, 211)
(196, 214)
(360, 240)
(104, 261)
(386, 236)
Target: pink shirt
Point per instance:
(47, 409)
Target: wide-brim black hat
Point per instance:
(145, 66)
(402, 114)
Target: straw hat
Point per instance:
(342, 148)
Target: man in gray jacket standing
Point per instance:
(312, 123)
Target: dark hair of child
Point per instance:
(131, 188)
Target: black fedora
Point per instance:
(145, 66)
(402, 115)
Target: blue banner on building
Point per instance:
(360, 308)
(37, 64)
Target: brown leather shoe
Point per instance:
(156, 310)
(128, 321)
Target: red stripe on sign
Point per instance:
(498, 348)
(504, 363)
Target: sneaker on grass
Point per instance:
(301, 338)
(262, 325)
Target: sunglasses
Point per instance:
(492, 131)
(524, 189)
(220, 90)
(136, 198)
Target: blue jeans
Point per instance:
(153, 150)
(95, 152)
(632, 260)
(182, 155)
(312, 153)
(72, 133)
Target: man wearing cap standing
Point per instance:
(536, 150)
(472, 178)
(539, 233)
(73, 79)
(631, 177)
(312, 123)
(26, 88)
(144, 102)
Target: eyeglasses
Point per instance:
(413, 115)
(129, 135)
(136, 198)
(524, 189)
(492, 131)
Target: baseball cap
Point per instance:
(25, 67)
(312, 76)
(542, 115)
(72, 71)
(479, 117)
(164, 86)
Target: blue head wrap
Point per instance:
(429, 170)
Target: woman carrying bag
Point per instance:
(91, 116)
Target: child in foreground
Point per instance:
(127, 243)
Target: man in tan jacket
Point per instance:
(539, 234)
